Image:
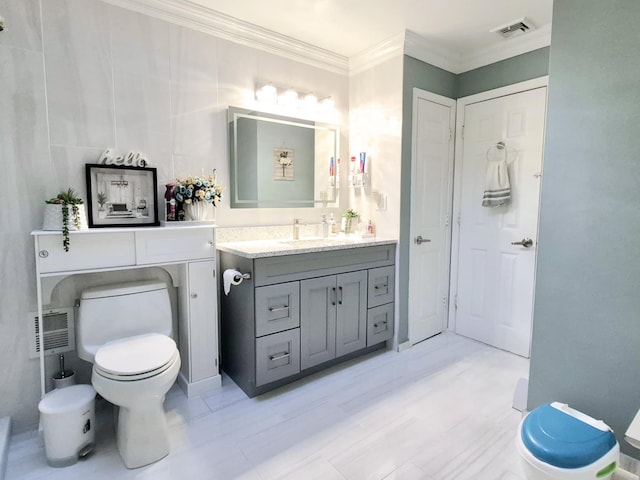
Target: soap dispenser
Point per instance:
(325, 226)
(333, 228)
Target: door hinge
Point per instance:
(462, 132)
(458, 219)
(214, 273)
(455, 301)
(447, 220)
(450, 134)
(444, 300)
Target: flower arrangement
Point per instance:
(65, 199)
(198, 189)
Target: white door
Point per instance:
(431, 184)
(495, 277)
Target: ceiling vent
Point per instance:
(515, 28)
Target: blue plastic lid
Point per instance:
(564, 441)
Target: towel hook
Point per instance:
(501, 146)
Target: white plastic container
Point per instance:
(68, 420)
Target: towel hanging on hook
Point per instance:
(502, 146)
(497, 191)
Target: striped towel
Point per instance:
(498, 189)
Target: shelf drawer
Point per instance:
(172, 245)
(86, 252)
(380, 324)
(381, 286)
(277, 308)
(277, 356)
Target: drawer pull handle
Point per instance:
(43, 253)
(279, 356)
(340, 301)
(333, 302)
(378, 287)
(210, 243)
(194, 295)
(278, 309)
(375, 325)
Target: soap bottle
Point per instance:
(325, 226)
(333, 228)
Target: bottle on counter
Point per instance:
(170, 203)
(333, 227)
(325, 226)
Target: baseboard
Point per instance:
(196, 389)
(5, 434)
(404, 346)
(520, 395)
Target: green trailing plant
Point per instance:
(66, 199)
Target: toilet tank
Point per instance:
(111, 312)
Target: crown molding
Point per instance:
(538, 38)
(383, 51)
(192, 15)
(429, 52)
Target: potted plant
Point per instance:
(349, 217)
(65, 212)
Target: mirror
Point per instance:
(281, 162)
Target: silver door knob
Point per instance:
(525, 242)
(420, 240)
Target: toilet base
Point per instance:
(141, 435)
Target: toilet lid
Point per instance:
(133, 356)
(565, 438)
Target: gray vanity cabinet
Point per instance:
(300, 313)
(333, 317)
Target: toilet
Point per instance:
(556, 442)
(125, 331)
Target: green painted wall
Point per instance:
(427, 77)
(433, 79)
(524, 67)
(586, 329)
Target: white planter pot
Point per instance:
(53, 217)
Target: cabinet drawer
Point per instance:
(159, 246)
(381, 286)
(115, 250)
(277, 308)
(380, 324)
(277, 356)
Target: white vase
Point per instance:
(200, 211)
(53, 217)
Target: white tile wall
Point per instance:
(80, 76)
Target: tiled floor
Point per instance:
(439, 410)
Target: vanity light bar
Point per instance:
(288, 97)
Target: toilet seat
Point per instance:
(136, 358)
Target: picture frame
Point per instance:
(121, 196)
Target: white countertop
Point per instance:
(277, 247)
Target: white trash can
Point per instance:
(68, 420)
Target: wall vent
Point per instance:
(514, 28)
(58, 329)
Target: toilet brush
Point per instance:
(61, 366)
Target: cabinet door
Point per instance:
(381, 285)
(277, 356)
(317, 320)
(351, 328)
(202, 321)
(380, 324)
(277, 308)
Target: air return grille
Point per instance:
(58, 332)
(515, 28)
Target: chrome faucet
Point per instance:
(296, 228)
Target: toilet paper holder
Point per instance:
(243, 276)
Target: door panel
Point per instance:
(496, 278)
(317, 320)
(351, 329)
(432, 168)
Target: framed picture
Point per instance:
(122, 196)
